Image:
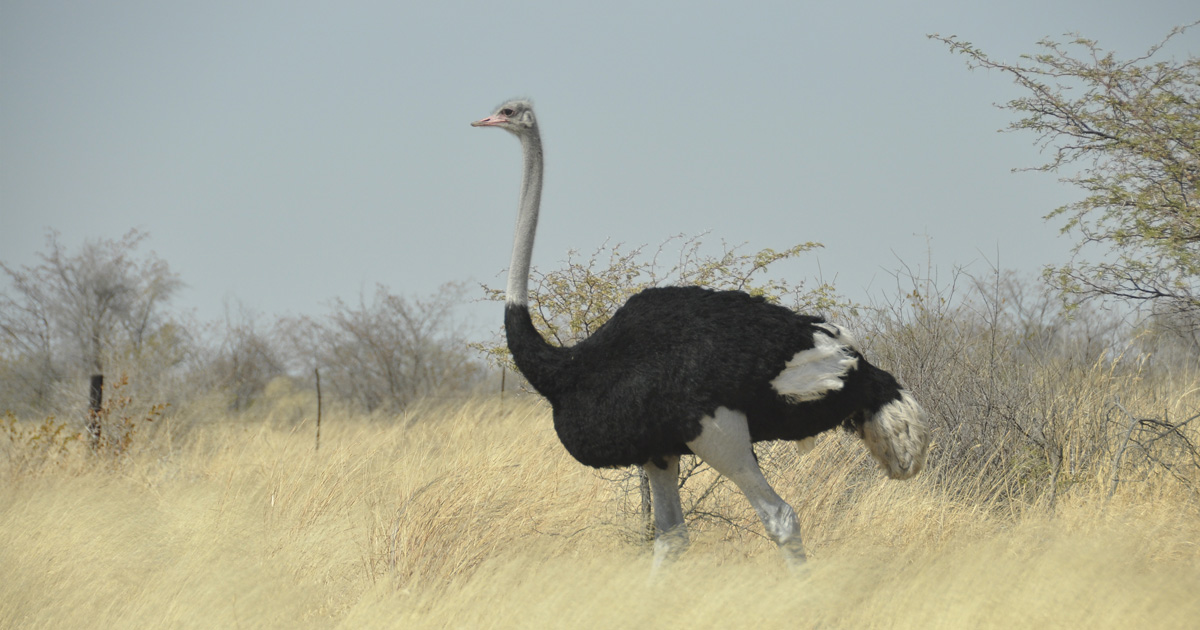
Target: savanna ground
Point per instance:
(468, 513)
(1062, 489)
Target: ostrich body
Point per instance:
(680, 370)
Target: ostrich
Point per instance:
(680, 370)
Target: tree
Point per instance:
(570, 303)
(245, 358)
(71, 314)
(29, 370)
(387, 352)
(1132, 129)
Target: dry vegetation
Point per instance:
(1062, 490)
(470, 514)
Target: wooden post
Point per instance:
(317, 372)
(95, 403)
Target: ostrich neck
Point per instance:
(527, 217)
(540, 362)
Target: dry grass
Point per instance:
(471, 515)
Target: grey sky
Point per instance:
(284, 154)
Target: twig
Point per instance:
(1116, 465)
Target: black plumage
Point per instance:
(637, 388)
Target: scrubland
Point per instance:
(467, 513)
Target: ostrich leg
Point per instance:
(725, 444)
(670, 532)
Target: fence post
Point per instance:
(95, 403)
(317, 372)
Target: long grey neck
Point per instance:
(527, 217)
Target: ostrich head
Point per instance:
(515, 116)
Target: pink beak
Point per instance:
(490, 121)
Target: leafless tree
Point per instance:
(386, 351)
(75, 311)
(245, 356)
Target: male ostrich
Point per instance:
(681, 370)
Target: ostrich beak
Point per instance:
(490, 121)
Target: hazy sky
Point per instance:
(283, 154)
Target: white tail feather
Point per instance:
(898, 437)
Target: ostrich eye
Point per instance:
(506, 111)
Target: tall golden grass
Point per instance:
(469, 514)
